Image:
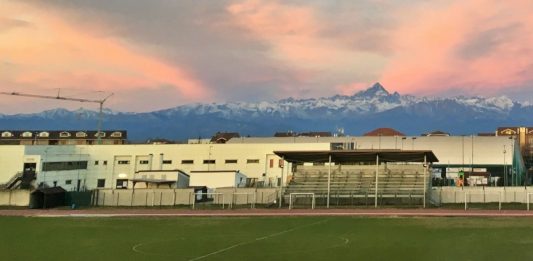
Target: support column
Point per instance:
(425, 179)
(281, 182)
(376, 183)
(329, 181)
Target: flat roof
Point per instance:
(155, 181)
(179, 171)
(341, 156)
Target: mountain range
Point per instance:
(356, 114)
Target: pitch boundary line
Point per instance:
(288, 214)
(255, 240)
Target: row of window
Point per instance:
(142, 162)
(228, 161)
(64, 134)
(185, 162)
(64, 165)
(73, 165)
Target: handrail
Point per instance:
(13, 179)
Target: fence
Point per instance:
(19, 198)
(174, 197)
(244, 196)
(78, 198)
(143, 197)
(456, 195)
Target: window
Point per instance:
(26, 134)
(342, 146)
(100, 134)
(252, 161)
(64, 165)
(64, 134)
(209, 161)
(44, 134)
(105, 162)
(95, 162)
(231, 161)
(123, 162)
(68, 182)
(143, 162)
(167, 161)
(187, 162)
(81, 134)
(100, 183)
(116, 134)
(7, 134)
(122, 184)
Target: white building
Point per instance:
(108, 166)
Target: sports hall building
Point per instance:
(481, 160)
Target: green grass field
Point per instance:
(268, 238)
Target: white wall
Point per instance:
(226, 179)
(181, 179)
(452, 149)
(12, 161)
(174, 152)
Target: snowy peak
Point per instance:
(375, 99)
(376, 90)
(358, 113)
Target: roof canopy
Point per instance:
(48, 191)
(343, 156)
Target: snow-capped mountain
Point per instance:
(361, 112)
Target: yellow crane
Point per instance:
(58, 97)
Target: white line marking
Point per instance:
(134, 248)
(255, 240)
(316, 214)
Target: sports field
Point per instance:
(266, 238)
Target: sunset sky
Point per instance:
(160, 54)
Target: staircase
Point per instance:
(20, 180)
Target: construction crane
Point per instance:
(58, 97)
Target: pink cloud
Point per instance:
(302, 49)
(295, 35)
(53, 53)
(430, 45)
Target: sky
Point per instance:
(163, 53)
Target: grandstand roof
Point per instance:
(341, 156)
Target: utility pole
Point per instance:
(58, 97)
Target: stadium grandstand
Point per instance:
(354, 177)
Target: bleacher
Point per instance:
(395, 181)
